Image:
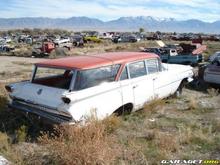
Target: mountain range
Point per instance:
(122, 24)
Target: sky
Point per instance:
(205, 10)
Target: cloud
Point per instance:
(112, 9)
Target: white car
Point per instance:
(70, 89)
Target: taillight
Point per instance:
(9, 88)
(66, 100)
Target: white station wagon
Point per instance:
(68, 89)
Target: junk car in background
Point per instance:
(187, 54)
(212, 72)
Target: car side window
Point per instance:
(137, 69)
(92, 77)
(152, 66)
(124, 74)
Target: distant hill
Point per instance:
(121, 24)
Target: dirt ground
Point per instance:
(16, 68)
(9, 63)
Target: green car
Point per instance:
(171, 56)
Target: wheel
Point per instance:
(123, 110)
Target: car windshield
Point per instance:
(53, 77)
(92, 77)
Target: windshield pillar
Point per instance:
(33, 73)
(73, 80)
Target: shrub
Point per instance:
(23, 51)
(213, 92)
(21, 134)
(93, 39)
(7, 151)
(89, 144)
(153, 106)
(4, 142)
(111, 123)
(3, 102)
(193, 104)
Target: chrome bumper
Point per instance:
(50, 115)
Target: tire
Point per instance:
(123, 110)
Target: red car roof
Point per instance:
(98, 60)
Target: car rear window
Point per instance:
(92, 77)
(53, 77)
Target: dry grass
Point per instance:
(108, 46)
(213, 92)
(212, 47)
(21, 134)
(8, 151)
(3, 97)
(22, 51)
(3, 92)
(90, 144)
(4, 142)
(15, 76)
(167, 142)
(153, 106)
(168, 133)
(112, 123)
(22, 63)
(131, 139)
(193, 104)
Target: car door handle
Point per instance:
(154, 78)
(135, 86)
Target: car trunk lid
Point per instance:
(40, 94)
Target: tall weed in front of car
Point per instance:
(10, 121)
(89, 144)
(3, 98)
(7, 150)
(213, 92)
(153, 106)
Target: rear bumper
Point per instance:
(52, 116)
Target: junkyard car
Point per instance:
(215, 57)
(169, 55)
(70, 89)
(212, 73)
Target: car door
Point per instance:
(141, 83)
(126, 87)
(161, 78)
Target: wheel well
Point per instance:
(178, 91)
(124, 109)
(183, 83)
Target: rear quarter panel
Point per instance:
(101, 101)
(176, 74)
